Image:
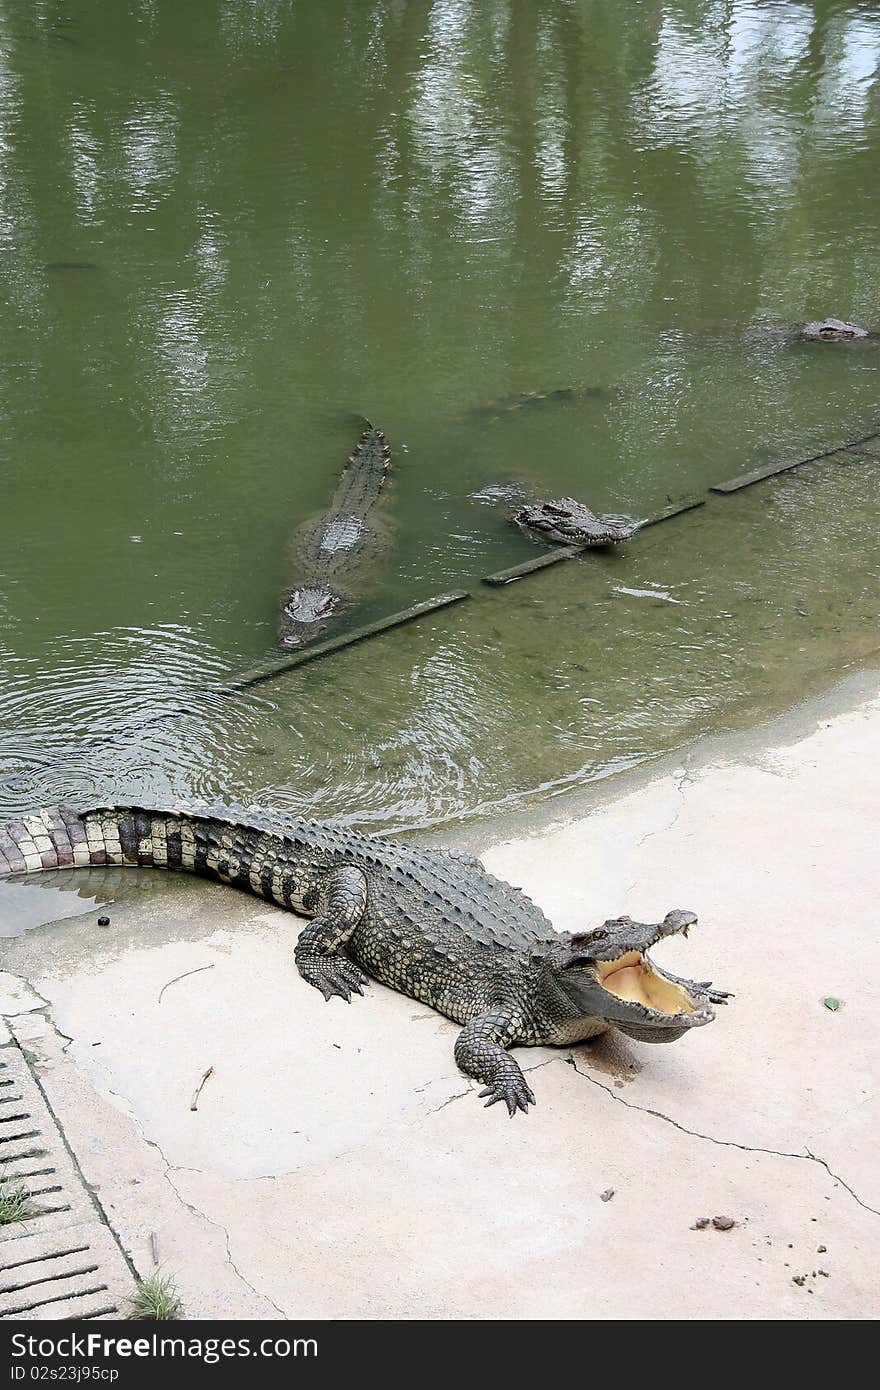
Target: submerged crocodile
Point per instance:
(528, 400)
(430, 923)
(836, 331)
(335, 553)
(571, 523)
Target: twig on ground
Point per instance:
(198, 1091)
(197, 971)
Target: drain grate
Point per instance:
(63, 1261)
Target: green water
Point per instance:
(226, 229)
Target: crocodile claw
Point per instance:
(334, 975)
(716, 996)
(512, 1090)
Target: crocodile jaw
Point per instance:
(633, 977)
(646, 1004)
(604, 978)
(613, 978)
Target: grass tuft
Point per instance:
(15, 1203)
(156, 1299)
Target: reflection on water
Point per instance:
(34, 902)
(549, 249)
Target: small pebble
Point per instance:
(831, 1003)
(606, 1195)
(103, 921)
(821, 1249)
(701, 1223)
(723, 1223)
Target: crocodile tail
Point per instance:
(60, 838)
(365, 474)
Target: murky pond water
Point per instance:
(228, 230)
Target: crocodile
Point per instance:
(429, 923)
(337, 550)
(571, 523)
(836, 331)
(527, 400)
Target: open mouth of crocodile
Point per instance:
(647, 1002)
(610, 976)
(632, 977)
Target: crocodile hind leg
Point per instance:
(319, 956)
(480, 1052)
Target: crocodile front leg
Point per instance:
(480, 1052)
(715, 996)
(342, 902)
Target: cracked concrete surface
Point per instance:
(806, 1156)
(338, 1164)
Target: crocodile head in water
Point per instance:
(833, 331)
(607, 975)
(571, 523)
(304, 614)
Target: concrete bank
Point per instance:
(337, 1163)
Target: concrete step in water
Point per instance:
(63, 1261)
(869, 447)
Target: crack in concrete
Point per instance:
(127, 1110)
(459, 1095)
(806, 1157)
(680, 779)
(196, 1211)
(659, 829)
(536, 1066)
(45, 1009)
(35, 1008)
(46, 1013)
(686, 777)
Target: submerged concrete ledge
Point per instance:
(869, 445)
(259, 675)
(552, 557)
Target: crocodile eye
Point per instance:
(599, 934)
